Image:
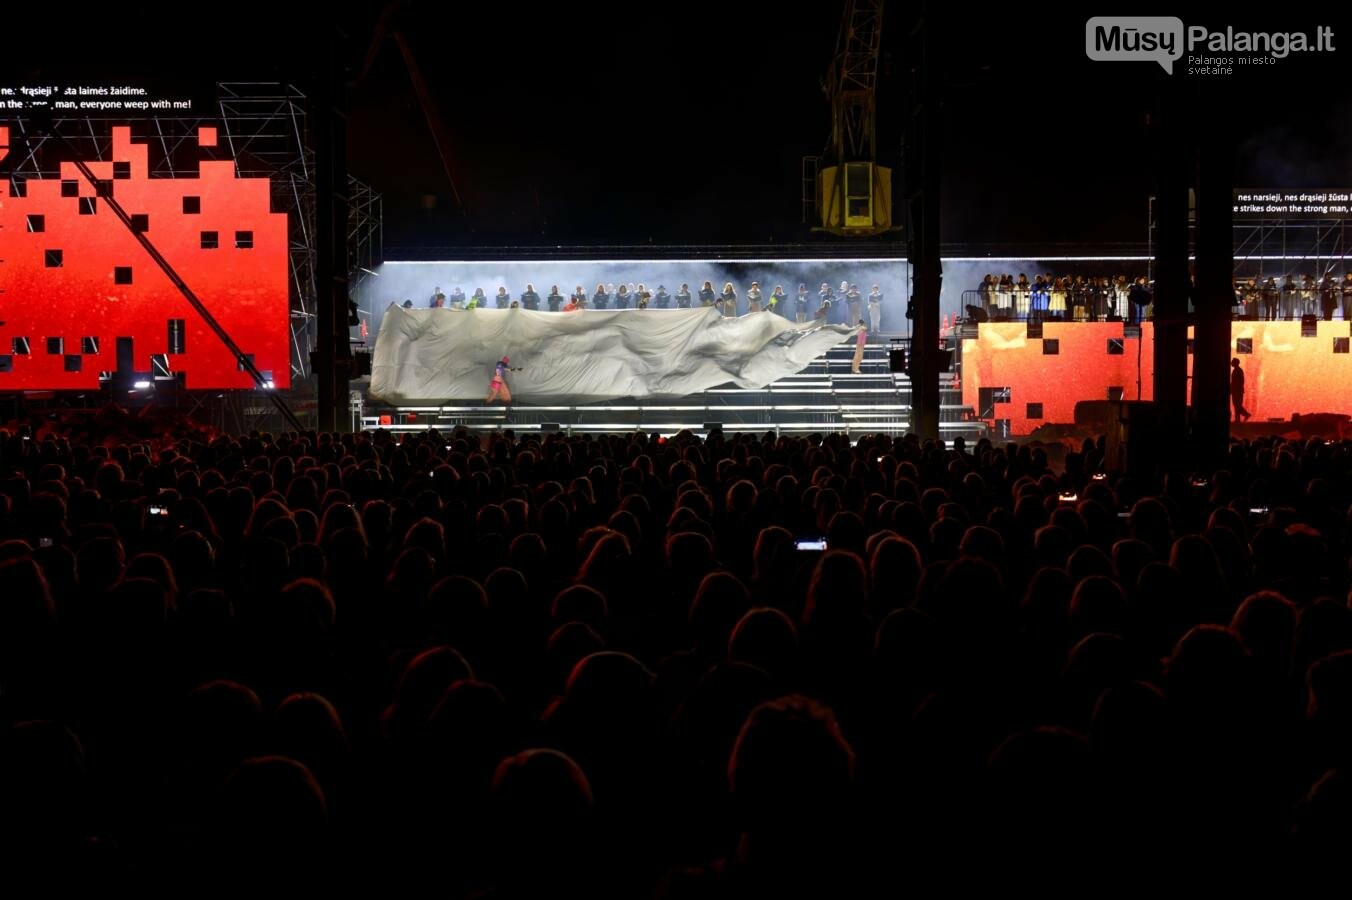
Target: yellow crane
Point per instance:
(845, 191)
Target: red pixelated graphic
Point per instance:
(74, 279)
(1286, 372)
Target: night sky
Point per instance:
(630, 124)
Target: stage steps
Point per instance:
(826, 396)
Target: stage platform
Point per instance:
(824, 397)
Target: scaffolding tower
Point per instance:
(264, 127)
(1276, 247)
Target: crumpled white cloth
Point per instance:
(589, 355)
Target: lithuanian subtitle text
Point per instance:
(85, 99)
(1285, 204)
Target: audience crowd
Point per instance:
(603, 667)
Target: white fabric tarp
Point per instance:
(577, 357)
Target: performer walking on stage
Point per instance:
(497, 388)
(800, 305)
(860, 339)
(1237, 391)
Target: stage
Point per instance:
(824, 397)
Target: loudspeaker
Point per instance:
(1132, 441)
(896, 359)
(549, 427)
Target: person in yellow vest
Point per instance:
(776, 297)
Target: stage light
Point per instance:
(267, 385)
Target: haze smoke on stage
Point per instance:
(417, 281)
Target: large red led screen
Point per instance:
(74, 279)
(1289, 369)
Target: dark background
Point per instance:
(629, 124)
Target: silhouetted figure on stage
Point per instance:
(579, 298)
(438, 299)
(1237, 391)
(706, 294)
(600, 299)
(1271, 299)
(1328, 297)
(661, 299)
(457, 299)
(622, 297)
(555, 299)
(502, 300)
(1138, 299)
(683, 297)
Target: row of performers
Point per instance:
(1266, 299)
(1093, 297)
(640, 297)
